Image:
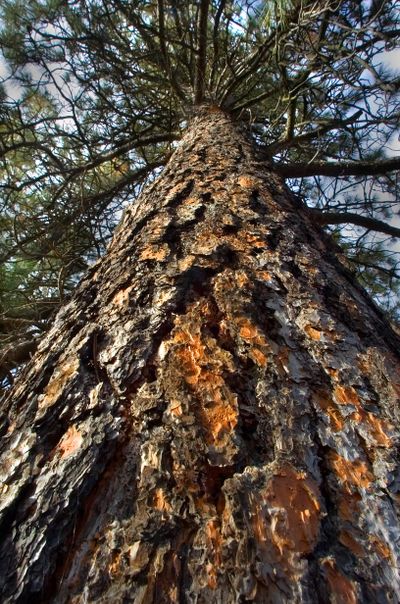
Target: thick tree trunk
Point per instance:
(214, 416)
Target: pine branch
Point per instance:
(356, 168)
(128, 146)
(15, 354)
(37, 146)
(372, 224)
(216, 45)
(324, 128)
(164, 52)
(199, 84)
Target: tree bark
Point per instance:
(214, 416)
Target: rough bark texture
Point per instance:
(214, 416)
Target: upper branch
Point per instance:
(324, 128)
(199, 84)
(372, 224)
(355, 168)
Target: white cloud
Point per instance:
(390, 58)
(3, 69)
(393, 146)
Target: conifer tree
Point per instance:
(213, 413)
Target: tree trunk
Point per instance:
(213, 417)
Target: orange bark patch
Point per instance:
(334, 373)
(250, 332)
(61, 376)
(212, 576)
(221, 416)
(190, 201)
(186, 262)
(175, 408)
(294, 498)
(245, 241)
(159, 501)
(70, 443)
(335, 418)
(214, 542)
(11, 427)
(241, 278)
(253, 240)
(115, 563)
(191, 356)
(377, 426)
(202, 363)
(122, 297)
(381, 548)
(346, 395)
(350, 473)
(312, 333)
(155, 252)
(157, 231)
(258, 357)
(343, 590)
(264, 275)
(248, 182)
(352, 544)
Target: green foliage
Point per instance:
(277, 11)
(377, 270)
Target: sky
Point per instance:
(391, 59)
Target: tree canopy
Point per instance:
(95, 95)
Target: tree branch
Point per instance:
(217, 19)
(200, 80)
(324, 218)
(356, 168)
(164, 52)
(15, 354)
(37, 146)
(324, 128)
